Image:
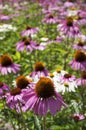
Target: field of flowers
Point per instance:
(42, 65)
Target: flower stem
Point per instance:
(37, 122)
(44, 123)
(67, 48)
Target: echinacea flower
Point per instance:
(46, 3)
(4, 17)
(42, 98)
(81, 17)
(73, 11)
(63, 81)
(29, 45)
(44, 41)
(69, 27)
(69, 3)
(78, 117)
(39, 71)
(7, 65)
(29, 31)
(82, 38)
(82, 81)
(80, 46)
(79, 61)
(66, 86)
(60, 38)
(7, 28)
(3, 89)
(23, 82)
(14, 99)
(57, 74)
(67, 78)
(50, 19)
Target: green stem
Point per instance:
(30, 61)
(67, 48)
(36, 123)
(44, 123)
(22, 117)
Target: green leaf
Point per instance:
(17, 55)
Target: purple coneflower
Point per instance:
(69, 3)
(78, 117)
(81, 17)
(60, 38)
(69, 27)
(42, 97)
(14, 99)
(15, 15)
(23, 82)
(79, 61)
(80, 46)
(29, 31)
(39, 71)
(4, 17)
(29, 45)
(82, 81)
(67, 78)
(7, 65)
(50, 9)
(3, 89)
(48, 3)
(50, 19)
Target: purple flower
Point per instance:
(78, 117)
(82, 13)
(14, 99)
(69, 3)
(67, 78)
(81, 17)
(69, 27)
(81, 81)
(29, 45)
(80, 46)
(3, 89)
(29, 31)
(4, 17)
(81, 20)
(79, 61)
(42, 97)
(50, 9)
(50, 19)
(23, 82)
(15, 15)
(39, 71)
(51, 3)
(7, 65)
(60, 39)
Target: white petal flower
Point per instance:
(44, 39)
(66, 87)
